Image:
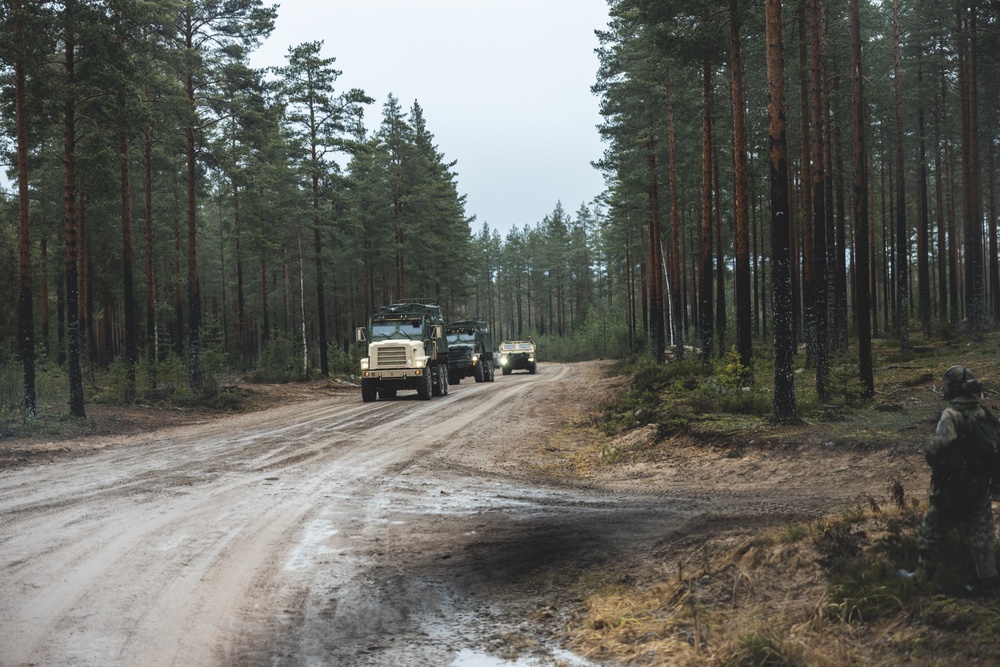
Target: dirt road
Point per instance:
(330, 532)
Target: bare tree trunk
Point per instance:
(151, 333)
(923, 224)
(819, 286)
(901, 255)
(781, 274)
(656, 334)
(194, 287)
(742, 280)
(677, 289)
(76, 406)
(862, 281)
(25, 309)
(975, 302)
(705, 266)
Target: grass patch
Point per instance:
(819, 593)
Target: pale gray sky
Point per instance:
(504, 85)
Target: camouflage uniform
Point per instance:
(960, 481)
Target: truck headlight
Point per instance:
(503, 361)
(530, 359)
(364, 364)
(419, 363)
(475, 358)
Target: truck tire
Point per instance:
(478, 372)
(454, 378)
(424, 388)
(506, 370)
(369, 390)
(534, 368)
(491, 375)
(440, 380)
(386, 392)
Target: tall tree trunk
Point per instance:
(705, 251)
(677, 289)
(128, 261)
(720, 263)
(76, 406)
(241, 317)
(819, 286)
(656, 333)
(781, 273)
(923, 221)
(324, 355)
(974, 283)
(45, 297)
(25, 309)
(841, 250)
(178, 279)
(901, 255)
(264, 283)
(194, 287)
(742, 280)
(151, 332)
(862, 280)
(808, 266)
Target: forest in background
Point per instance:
(179, 215)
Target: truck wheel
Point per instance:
(492, 373)
(386, 392)
(534, 368)
(438, 380)
(444, 382)
(454, 379)
(369, 390)
(506, 370)
(477, 372)
(424, 386)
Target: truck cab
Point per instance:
(518, 355)
(406, 349)
(470, 351)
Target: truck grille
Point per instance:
(391, 356)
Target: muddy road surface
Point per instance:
(330, 532)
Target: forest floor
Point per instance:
(719, 539)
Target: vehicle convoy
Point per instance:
(518, 355)
(470, 351)
(406, 350)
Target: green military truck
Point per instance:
(470, 351)
(406, 350)
(518, 355)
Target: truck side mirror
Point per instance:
(437, 331)
(359, 334)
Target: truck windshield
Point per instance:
(405, 329)
(461, 337)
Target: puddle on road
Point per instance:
(312, 547)
(469, 658)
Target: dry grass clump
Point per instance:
(822, 593)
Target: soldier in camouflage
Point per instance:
(962, 458)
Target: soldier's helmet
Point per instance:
(960, 381)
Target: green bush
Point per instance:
(280, 361)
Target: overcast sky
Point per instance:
(504, 85)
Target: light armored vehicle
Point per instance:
(406, 350)
(470, 351)
(518, 355)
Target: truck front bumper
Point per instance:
(393, 373)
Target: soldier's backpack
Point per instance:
(983, 435)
